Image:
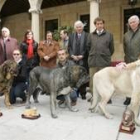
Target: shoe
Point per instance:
(127, 101)
(1, 93)
(83, 96)
(39, 91)
(61, 102)
(110, 101)
(90, 99)
(73, 103)
(24, 99)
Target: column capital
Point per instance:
(98, 1)
(35, 6)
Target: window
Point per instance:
(51, 25)
(86, 20)
(127, 14)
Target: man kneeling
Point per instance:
(62, 62)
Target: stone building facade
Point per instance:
(114, 12)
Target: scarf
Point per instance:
(30, 48)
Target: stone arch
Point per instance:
(2, 3)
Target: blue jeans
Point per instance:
(18, 91)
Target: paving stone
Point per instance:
(81, 125)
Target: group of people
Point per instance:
(26, 57)
(93, 51)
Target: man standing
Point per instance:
(101, 48)
(7, 45)
(78, 50)
(132, 43)
(78, 45)
(47, 51)
(63, 43)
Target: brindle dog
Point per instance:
(7, 72)
(56, 81)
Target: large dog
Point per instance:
(7, 72)
(56, 81)
(110, 80)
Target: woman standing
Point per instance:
(29, 50)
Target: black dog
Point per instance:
(56, 81)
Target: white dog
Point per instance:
(112, 79)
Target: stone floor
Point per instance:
(81, 125)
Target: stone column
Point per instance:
(2, 3)
(94, 12)
(35, 10)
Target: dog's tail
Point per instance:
(96, 96)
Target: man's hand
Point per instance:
(74, 57)
(46, 58)
(121, 66)
(80, 57)
(77, 57)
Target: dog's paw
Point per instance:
(137, 122)
(74, 109)
(27, 106)
(36, 101)
(92, 110)
(54, 116)
(9, 106)
(108, 116)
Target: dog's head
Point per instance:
(78, 75)
(128, 117)
(9, 69)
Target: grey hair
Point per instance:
(134, 17)
(78, 22)
(6, 29)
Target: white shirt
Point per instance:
(99, 32)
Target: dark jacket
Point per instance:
(132, 46)
(82, 48)
(68, 63)
(34, 61)
(22, 73)
(101, 48)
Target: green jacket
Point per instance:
(101, 48)
(132, 45)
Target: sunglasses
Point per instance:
(16, 54)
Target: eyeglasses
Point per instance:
(29, 34)
(16, 54)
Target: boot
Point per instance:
(127, 101)
(110, 101)
(1, 93)
(83, 95)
